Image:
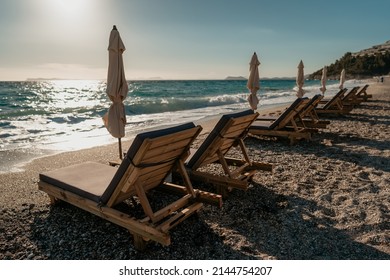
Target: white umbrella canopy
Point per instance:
(323, 80)
(342, 79)
(117, 88)
(300, 80)
(253, 83)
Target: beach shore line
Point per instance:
(15, 160)
(326, 199)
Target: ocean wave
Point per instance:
(65, 115)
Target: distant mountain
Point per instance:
(277, 78)
(238, 78)
(42, 79)
(367, 63)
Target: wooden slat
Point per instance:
(180, 216)
(225, 181)
(171, 208)
(306, 111)
(201, 196)
(174, 137)
(171, 150)
(162, 141)
(282, 133)
(254, 164)
(124, 186)
(144, 201)
(238, 170)
(311, 124)
(236, 129)
(292, 114)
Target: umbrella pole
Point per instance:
(120, 148)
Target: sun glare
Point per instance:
(70, 11)
(69, 20)
(69, 6)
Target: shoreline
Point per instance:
(17, 160)
(14, 159)
(327, 199)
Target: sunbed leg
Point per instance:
(139, 242)
(293, 140)
(222, 190)
(53, 200)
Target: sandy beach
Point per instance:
(327, 198)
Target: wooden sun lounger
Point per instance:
(362, 94)
(343, 94)
(309, 118)
(285, 124)
(334, 105)
(99, 188)
(356, 96)
(348, 99)
(229, 132)
(306, 118)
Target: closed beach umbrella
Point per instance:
(253, 83)
(323, 81)
(342, 79)
(300, 80)
(115, 118)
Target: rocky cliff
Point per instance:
(367, 63)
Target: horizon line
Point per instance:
(229, 78)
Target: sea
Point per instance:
(39, 118)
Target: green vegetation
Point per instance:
(358, 66)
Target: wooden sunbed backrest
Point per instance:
(290, 113)
(350, 94)
(311, 105)
(222, 138)
(334, 99)
(149, 160)
(362, 90)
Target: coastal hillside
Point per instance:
(367, 63)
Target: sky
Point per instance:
(183, 39)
